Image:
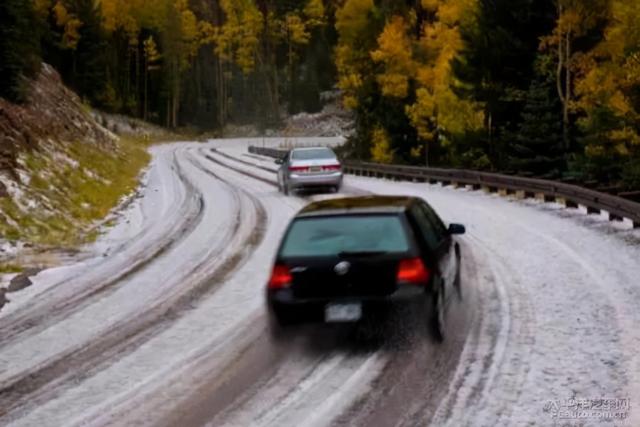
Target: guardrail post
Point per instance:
(594, 211)
(521, 194)
(613, 217)
(503, 192)
(566, 202)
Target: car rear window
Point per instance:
(312, 154)
(327, 236)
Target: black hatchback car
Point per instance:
(338, 257)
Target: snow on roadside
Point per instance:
(571, 282)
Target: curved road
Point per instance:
(165, 323)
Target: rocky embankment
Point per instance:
(61, 170)
(53, 114)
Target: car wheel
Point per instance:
(458, 281)
(438, 314)
(280, 321)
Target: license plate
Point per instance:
(315, 169)
(343, 312)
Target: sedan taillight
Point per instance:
(299, 168)
(280, 277)
(335, 167)
(413, 271)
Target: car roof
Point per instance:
(312, 148)
(358, 205)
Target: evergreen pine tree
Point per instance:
(18, 48)
(89, 58)
(537, 147)
(496, 63)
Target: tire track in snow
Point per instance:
(348, 190)
(254, 351)
(507, 354)
(244, 162)
(50, 307)
(264, 370)
(125, 336)
(579, 335)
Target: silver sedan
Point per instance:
(316, 167)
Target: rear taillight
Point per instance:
(280, 277)
(331, 167)
(298, 168)
(413, 271)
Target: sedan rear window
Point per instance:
(331, 236)
(313, 154)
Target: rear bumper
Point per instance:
(404, 293)
(323, 180)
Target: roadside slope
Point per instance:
(60, 171)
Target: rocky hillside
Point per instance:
(52, 114)
(60, 170)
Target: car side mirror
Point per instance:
(279, 161)
(457, 229)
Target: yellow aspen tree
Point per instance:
(611, 79)
(352, 62)
(151, 58)
(575, 19)
(381, 146)
(315, 13)
(395, 54)
(438, 110)
(70, 23)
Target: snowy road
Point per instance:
(165, 324)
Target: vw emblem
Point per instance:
(342, 268)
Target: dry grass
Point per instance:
(73, 195)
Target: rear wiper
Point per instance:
(347, 254)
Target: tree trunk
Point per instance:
(426, 153)
(567, 95)
(176, 97)
(138, 79)
(564, 86)
(145, 111)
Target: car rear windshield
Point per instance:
(313, 154)
(331, 236)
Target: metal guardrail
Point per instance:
(571, 195)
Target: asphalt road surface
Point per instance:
(162, 321)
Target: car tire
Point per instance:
(437, 320)
(280, 321)
(458, 280)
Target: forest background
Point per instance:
(545, 88)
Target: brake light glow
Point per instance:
(299, 168)
(413, 271)
(280, 277)
(335, 167)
